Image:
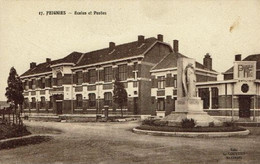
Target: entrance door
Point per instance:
(161, 104)
(59, 107)
(244, 106)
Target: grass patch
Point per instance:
(25, 141)
(195, 129)
(11, 131)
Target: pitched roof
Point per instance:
(255, 57)
(120, 51)
(80, 59)
(45, 67)
(170, 61)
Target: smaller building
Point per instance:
(164, 80)
(237, 96)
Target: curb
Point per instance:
(192, 134)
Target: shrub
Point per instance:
(148, 122)
(211, 124)
(160, 123)
(188, 123)
(228, 124)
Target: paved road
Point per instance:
(115, 143)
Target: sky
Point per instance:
(221, 28)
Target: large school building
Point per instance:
(82, 83)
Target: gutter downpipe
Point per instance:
(232, 103)
(97, 91)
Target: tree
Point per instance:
(120, 95)
(14, 91)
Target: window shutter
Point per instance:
(130, 71)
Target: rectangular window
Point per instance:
(42, 83)
(51, 102)
(92, 100)
(59, 79)
(161, 104)
(79, 77)
(33, 103)
(26, 103)
(30, 84)
(108, 98)
(122, 72)
(204, 94)
(175, 81)
(26, 87)
(135, 84)
(42, 103)
(108, 74)
(33, 83)
(50, 81)
(161, 82)
(214, 94)
(92, 76)
(79, 101)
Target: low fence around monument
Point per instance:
(8, 116)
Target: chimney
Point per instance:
(160, 37)
(207, 61)
(32, 65)
(238, 57)
(112, 46)
(175, 46)
(48, 60)
(140, 39)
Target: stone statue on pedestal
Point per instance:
(188, 105)
(189, 81)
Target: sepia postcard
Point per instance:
(131, 81)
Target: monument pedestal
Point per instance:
(190, 107)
